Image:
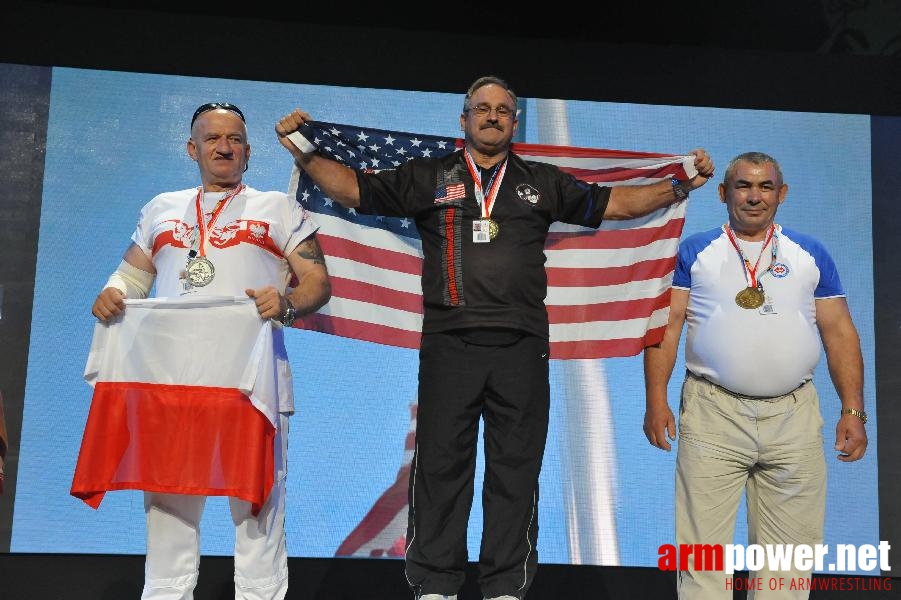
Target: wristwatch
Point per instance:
(857, 413)
(680, 189)
(290, 314)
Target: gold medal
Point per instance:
(485, 199)
(752, 296)
(749, 298)
(200, 271)
(493, 228)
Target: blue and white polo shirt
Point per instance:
(767, 351)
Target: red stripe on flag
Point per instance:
(588, 277)
(619, 310)
(361, 330)
(614, 238)
(370, 255)
(595, 348)
(175, 439)
(531, 151)
(618, 175)
(376, 294)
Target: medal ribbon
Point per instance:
(203, 226)
(486, 203)
(751, 272)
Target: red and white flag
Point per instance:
(186, 393)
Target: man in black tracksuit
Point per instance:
(483, 214)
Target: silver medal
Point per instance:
(200, 271)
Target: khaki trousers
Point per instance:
(772, 450)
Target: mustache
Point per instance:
(491, 125)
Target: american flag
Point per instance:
(608, 288)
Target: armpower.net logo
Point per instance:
(786, 558)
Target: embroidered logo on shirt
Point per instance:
(779, 270)
(258, 231)
(528, 193)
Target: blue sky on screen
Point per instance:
(116, 139)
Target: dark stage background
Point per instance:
(798, 56)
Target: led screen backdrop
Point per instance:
(115, 139)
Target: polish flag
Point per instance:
(186, 394)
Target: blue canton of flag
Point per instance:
(369, 150)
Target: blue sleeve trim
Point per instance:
(829, 284)
(689, 248)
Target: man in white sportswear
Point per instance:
(222, 238)
(760, 299)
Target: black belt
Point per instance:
(744, 396)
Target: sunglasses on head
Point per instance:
(213, 106)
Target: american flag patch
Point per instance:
(446, 193)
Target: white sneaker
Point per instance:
(438, 597)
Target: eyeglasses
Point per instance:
(213, 106)
(502, 112)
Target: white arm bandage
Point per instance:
(302, 141)
(135, 283)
